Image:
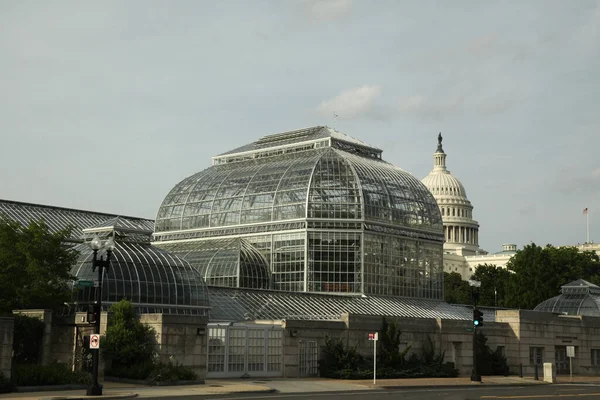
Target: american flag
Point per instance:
(585, 210)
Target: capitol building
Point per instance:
(462, 253)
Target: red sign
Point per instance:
(373, 336)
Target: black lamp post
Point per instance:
(475, 377)
(96, 244)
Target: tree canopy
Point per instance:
(35, 266)
(532, 275)
(539, 272)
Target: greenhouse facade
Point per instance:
(310, 210)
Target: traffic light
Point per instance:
(477, 318)
(92, 314)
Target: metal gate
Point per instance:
(244, 351)
(561, 360)
(308, 358)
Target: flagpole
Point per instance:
(587, 222)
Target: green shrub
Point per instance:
(337, 357)
(27, 339)
(128, 342)
(489, 362)
(155, 372)
(5, 384)
(171, 371)
(341, 362)
(52, 374)
(141, 371)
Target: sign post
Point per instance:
(570, 354)
(374, 337)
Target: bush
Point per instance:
(489, 362)
(154, 372)
(337, 358)
(27, 339)
(52, 374)
(128, 342)
(171, 371)
(5, 384)
(139, 371)
(341, 362)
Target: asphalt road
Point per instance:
(537, 392)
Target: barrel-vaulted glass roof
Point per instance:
(310, 173)
(58, 218)
(151, 278)
(577, 298)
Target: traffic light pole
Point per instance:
(475, 377)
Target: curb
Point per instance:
(105, 397)
(487, 385)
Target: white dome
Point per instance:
(461, 231)
(442, 183)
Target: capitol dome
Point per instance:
(460, 230)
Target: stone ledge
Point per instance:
(48, 388)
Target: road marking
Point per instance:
(540, 396)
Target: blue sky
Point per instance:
(107, 105)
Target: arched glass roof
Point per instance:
(578, 298)
(329, 179)
(225, 262)
(151, 278)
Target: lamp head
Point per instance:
(96, 243)
(109, 245)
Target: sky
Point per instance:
(106, 105)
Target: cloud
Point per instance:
(428, 107)
(352, 103)
(327, 9)
(571, 181)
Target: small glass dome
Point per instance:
(151, 278)
(578, 298)
(229, 262)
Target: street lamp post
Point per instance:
(96, 244)
(475, 377)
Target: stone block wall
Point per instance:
(6, 345)
(182, 337)
(550, 332)
(297, 330)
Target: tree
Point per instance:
(493, 284)
(540, 272)
(389, 354)
(456, 290)
(128, 342)
(35, 266)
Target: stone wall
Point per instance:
(6, 345)
(552, 333)
(448, 336)
(182, 337)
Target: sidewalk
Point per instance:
(115, 390)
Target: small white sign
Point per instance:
(94, 341)
(570, 351)
(374, 336)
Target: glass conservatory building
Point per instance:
(310, 210)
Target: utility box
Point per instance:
(549, 373)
